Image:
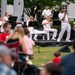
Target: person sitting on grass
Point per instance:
(56, 58)
(51, 69)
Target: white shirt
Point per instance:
(46, 26)
(29, 28)
(1, 29)
(46, 13)
(1, 22)
(5, 18)
(61, 15)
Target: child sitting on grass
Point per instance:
(56, 58)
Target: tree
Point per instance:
(40, 3)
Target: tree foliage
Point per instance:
(40, 3)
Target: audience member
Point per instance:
(28, 42)
(56, 58)
(68, 63)
(29, 46)
(46, 12)
(51, 69)
(6, 33)
(18, 35)
(5, 61)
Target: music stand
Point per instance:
(34, 24)
(12, 20)
(56, 20)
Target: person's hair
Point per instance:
(20, 30)
(6, 24)
(61, 8)
(57, 54)
(26, 31)
(6, 13)
(53, 69)
(73, 44)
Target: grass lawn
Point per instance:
(45, 55)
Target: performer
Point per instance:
(1, 24)
(47, 23)
(46, 12)
(65, 26)
(5, 19)
(32, 30)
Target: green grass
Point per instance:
(45, 55)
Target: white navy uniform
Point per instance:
(33, 31)
(65, 26)
(46, 13)
(47, 28)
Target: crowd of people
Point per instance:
(58, 66)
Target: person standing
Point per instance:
(47, 23)
(65, 26)
(46, 12)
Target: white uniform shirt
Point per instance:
(29, 28)
(46, 26)
(1, 22)
(46, 13)
(5, 18)
(61, 15)
(1, 29)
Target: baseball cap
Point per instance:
(4, 50)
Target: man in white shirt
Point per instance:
(5, 19)
(46, 12)
(32, 30)
(65, 26)
(1, 24)
(47, 23)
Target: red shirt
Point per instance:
(3, 36)
(57, 60)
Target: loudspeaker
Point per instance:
(64, 49)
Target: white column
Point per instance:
(3, 7)
(18, 9)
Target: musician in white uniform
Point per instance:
(46, 12)
(65, 26)
(1, 24)
(47, 23)
(5, 19)
(32, 30)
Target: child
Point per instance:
(56, 58)
(29, 44)
(4, 35)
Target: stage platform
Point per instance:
(52, 43)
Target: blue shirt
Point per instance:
(68, 64)
(4, 70)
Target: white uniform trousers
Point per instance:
(52, 30)
(65, 27)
